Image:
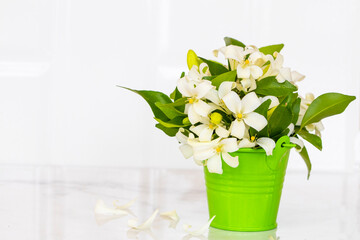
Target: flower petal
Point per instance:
(243, 72)
(186, 150)
(214, 164)
(124, 206)
(172, 216)
(180, 136)
(206, 134)
(267, 144)
(231, 161)
(102, 209)
(202, 89)
(229, 144)
(213, 96)
(237, 129)
(222, 132)
(255, 120)
(256, 71)
(203, 153)
(225, 88)
(250, 102)
(274, 101)
(291, 128)
(198, 129)
(193, 116)
(233, 102)
(185, 87)
(202, 230)
(297, 77)
(298, 142)
(146, 225)
(202, 108)
(246, 143)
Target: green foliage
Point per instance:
(169, 110)
(296, 110)
(151, 97)
(311, 138)
(173, 123)
(305, 156)
(270, 86)
(171, 132)
(215, 68)
(232, 41)
(271, 49)
(326, 105)
(280, 118)
(228, 76)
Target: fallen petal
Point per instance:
(172, 216)
(133, 223)
(200, 231)
(102, 209)
(125, 206)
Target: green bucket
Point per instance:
(247, 198)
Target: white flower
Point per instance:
(296, 77)
(133, 223)
(274, 101)
(298, 142)
(247, 70)
(196, 73)
(185, 148)
(243, 113)
(196, 106)
(207, 127)
(215, 150)
(200, 231)
(305, 103)
(266, 143)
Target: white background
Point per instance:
(60, 61)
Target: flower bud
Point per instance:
(215, 118)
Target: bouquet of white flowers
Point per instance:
(250, 102)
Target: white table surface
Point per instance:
(58, 203)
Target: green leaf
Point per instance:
(305, 156)
(270, 86)
(296, 110)
(262, 109)
(176, 122)
(171, 132)
(326, 105)
(192, 59)
(169, 110)
(228, 76)
(232, 41)
(175, 95)
(280, 119)
(271, 49)
(311, 138)
(210, 78)
(151, 97)
(215, 68)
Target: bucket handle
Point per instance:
(283, 145)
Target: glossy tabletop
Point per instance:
(58, 203)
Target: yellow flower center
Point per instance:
(211, 126)
(218, 149)
(247, 61)
(252, 138)
(191, 101)
(239, 116)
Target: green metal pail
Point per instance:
(247, 198)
